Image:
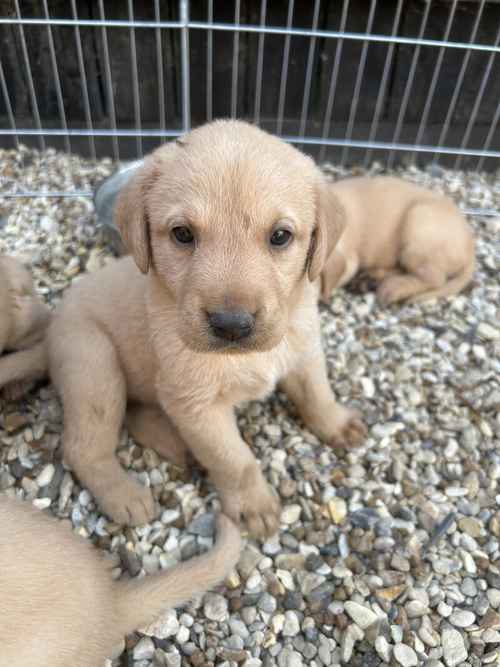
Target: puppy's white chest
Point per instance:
(255, 378)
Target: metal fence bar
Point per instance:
(310, 62)
(57, 80)
(260, 64)
(210, 62)
(311, 141)
(186, 85)
(236, 56)
(268, 30)
(383, 84)
(359, 81)
(83, 81)
(89, 194)
(8, 106)
(409, 84)
(477, 104)
(333, 80)
(460, 78)
(159, 70)
(135, 79)
(435, 77)
(29, 76)
(284, 69)
(495, 124)
(109, 83)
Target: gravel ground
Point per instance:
(388, 555)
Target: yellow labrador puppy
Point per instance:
(228, 229)
(59, 606)
(23, 323)
(414, 241)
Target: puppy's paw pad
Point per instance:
(130, 505)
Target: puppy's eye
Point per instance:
(183, 235)
(281, 237)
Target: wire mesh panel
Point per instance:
(351, 81)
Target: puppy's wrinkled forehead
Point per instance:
(229, 169)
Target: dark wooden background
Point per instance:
(119, 46)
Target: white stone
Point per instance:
(144, 649)
(215, 607)
(383, 648)
(453, 647)
(461, 618)
(361, 615)
(182, 636)
(415, 609)
(444, 609)
(494, 597)
(405, 655)
(165, 626)
(291, 514)
(291, 626)
(277, 623)
(488, 331)
(45, 475)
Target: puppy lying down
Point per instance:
(23, 324)
(415, 242)
(59, 606)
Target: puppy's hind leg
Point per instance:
(401, 286)
(424, 258)
(86, 371)
(150, 427)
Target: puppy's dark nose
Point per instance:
(231, 324)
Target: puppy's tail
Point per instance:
(452, 287)
(24, 365)
(140, 602)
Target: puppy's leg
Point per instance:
(309, 389)
(88, 376)
(216, 443)
(401, 286)
(151, 428)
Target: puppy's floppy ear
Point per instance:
(131, 215)
(330, 223)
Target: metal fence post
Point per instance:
(186, 92)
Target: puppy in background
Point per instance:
(59, 604)
(23, 323)
(415, 243)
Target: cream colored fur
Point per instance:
(23, 323)
(131, 343)
(414, 242)
(59, 606)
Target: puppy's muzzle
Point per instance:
(231, 325)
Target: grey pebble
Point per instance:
(203, 525)
(267, 603)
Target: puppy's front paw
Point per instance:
(350, 430)
(128, 503)
(254, 504)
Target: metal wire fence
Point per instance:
(351, 81)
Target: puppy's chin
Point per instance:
(204, 342)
